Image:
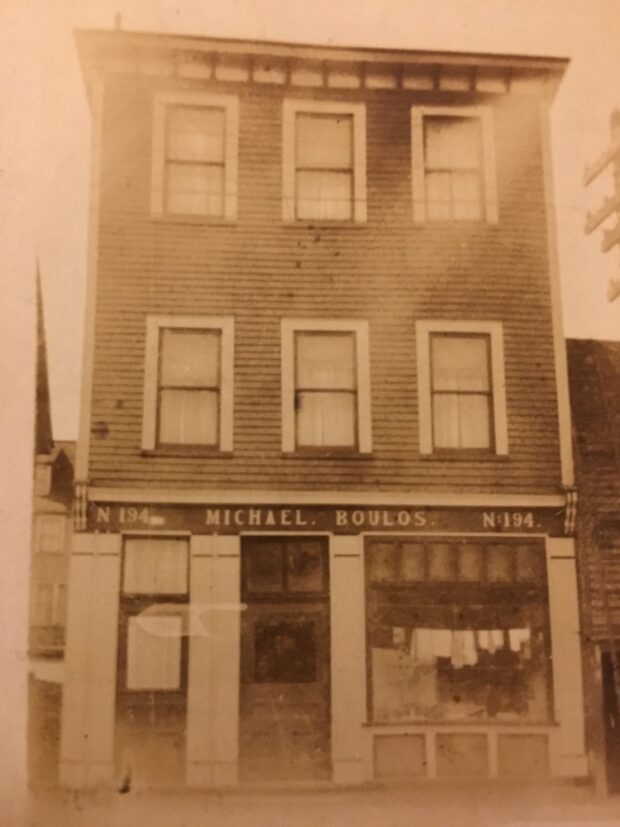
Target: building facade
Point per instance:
(324, 503)
(594, 371)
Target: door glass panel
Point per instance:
(304, 568)
(264, 569)
(155, 566)
(285, 651)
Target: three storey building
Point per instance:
(325, 496)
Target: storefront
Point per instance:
(268, 643)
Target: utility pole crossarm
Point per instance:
(595, 219)
(610, 155)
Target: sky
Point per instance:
(587, 31)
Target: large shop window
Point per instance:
(457, 631)
(324, 161)
(154, 614)
(195, 147)
(326, 386)
(188, 383)
(461, 387)
(453, 163)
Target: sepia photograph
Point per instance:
(310, 381)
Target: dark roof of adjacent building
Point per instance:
(594, 374)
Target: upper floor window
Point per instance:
(461, 387)
(188, 382)
(195, 147)
(324, 161)
(453, 164)
(326, 386)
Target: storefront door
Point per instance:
(612, 725)
(284, 700)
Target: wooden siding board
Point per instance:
(388, 271)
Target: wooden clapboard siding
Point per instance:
(388, 271)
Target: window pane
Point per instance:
(324, 141)
(438, 196)
(154, 652)
(188, 417)
(43, 612)
(195, 189)
(325, 419)
(499, 564)
(460, 363)
(530, 564)
(304, 566)
(190, 357)
(441, 562)
(412, 564)
(382, 562)
(452, 143)
(61, 604)
(155, 566)
(461, 421)
(195, 134)
(264, 568)
(466, 200)
(325, 361)
(470, 562)
(325, 195)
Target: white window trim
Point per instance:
(494, 330)
(290, 109)
(230, 104)
(153, 326)
(485, 114)
(360, 329)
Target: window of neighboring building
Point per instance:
(50, 604)
(453, 162)
(457, 631)
(461, 387)
(326, 386)
(188, 383)
(324, 161)
(50, 533)
(195, 148)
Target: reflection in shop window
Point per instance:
(457, 631)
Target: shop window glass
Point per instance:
(155, 566)
(154, 652)
(468, 643)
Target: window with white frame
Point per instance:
(324, 161)
(453, 164)
(153, 613)
(195, 155)
(461, 387)
(188, 382)
(325, 386)
(50, 604)
(50, 533)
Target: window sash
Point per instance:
(195, 163)
(195, 419)
(324, 183)
(155, 566)
(461, 403)
(454, 180)
(326, 396)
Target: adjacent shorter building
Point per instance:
(324, 485)
(52, 527)
(594, 368)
